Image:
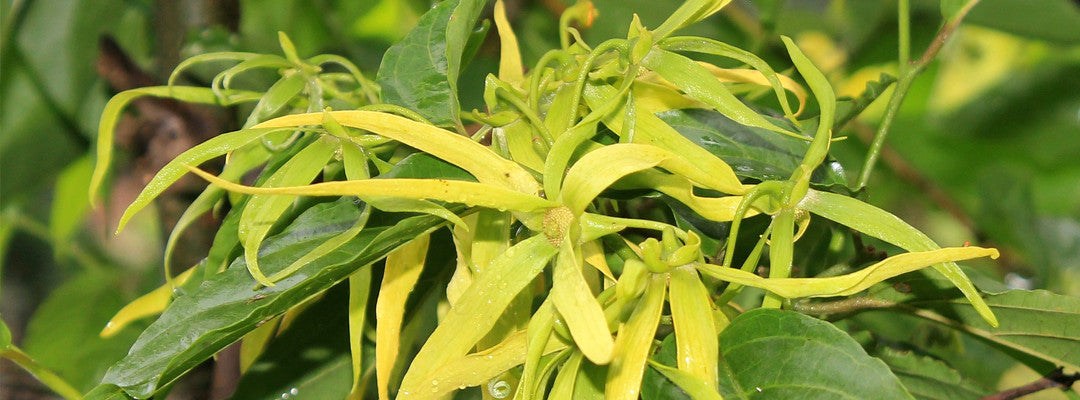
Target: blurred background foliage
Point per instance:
(986, 148)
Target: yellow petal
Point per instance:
(855, 282)
(579, 308)
(634, 343)
(403, 267)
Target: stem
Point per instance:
(44, 375)
(904, 12)
(781, 241)
(908, 73)
(1053, 380)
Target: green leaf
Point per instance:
(929, 379)
(775, 354)
(752, 152)
(108, 392)
(420, 72)
(310, 359)
(226, 306)
(1037, 323)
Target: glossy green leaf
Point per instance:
(420, 72)
(1037, 323)
(929, 379)
(309, 360)
(227, 306)
(775, 354)
(752, 152)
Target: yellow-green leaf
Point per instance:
(651, 130)
(115, 107)
(480, 368)
(698, 83)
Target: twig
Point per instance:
(1053, 380)
(907, 77)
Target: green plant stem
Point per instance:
(47, 377)
(904, 30)
(908, 74)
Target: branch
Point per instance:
(1053, 380)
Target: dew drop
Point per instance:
(294, 391)
(758, 389)
(499, 389)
